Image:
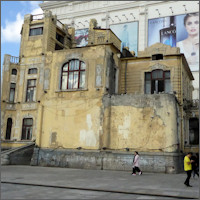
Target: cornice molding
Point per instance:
(123, 5)
(103, 9)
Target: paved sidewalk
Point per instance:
(166, 185)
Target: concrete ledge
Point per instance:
(107, 160)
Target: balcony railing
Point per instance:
(14, 59)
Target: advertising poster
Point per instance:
(128, 34)
(81, 37)
(178, 31)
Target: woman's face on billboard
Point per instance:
(192, 25)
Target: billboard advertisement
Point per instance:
(178, 31)
(81, 37)
(128, 34)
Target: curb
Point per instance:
(147, 192)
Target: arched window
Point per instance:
(8, 128)
(73, 75)
(27, 129)
(32, 71)
(14, 72)
(157, 81)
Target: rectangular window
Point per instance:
(27, 129)
(148, 83)
(12, 92)
(36, 31)
(157, 81)
(31, 90)
(32, 71)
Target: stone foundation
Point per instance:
(107, 160)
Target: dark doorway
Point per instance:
(194, 131)
(9, 128)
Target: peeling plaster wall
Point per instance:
(143, 122)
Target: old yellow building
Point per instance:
(92, 106)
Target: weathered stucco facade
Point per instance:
(98, 121)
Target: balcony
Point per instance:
(191, 104)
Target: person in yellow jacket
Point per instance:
(188, 168)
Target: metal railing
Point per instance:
(14, 59)
(59, 24)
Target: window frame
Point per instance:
(12, 90)
(34, 28)
(67, 73)
(31, 70)
(14, 72)
(26, 128)
(29, 87)
(164, 78)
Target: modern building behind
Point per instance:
(138, 24)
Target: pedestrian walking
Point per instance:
(136, 164)
(188, 168)
(195, 165)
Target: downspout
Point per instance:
(181, 106)
(125, 77)
(41, 124)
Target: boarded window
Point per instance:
(27, 129)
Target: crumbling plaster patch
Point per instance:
(88, 137)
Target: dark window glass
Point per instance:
(32, 71)
(60, 38)
(157, 57)
(157, 81)
(73, 75)
(27, 129)
(14, 72)
(58, 47)
(194, 131)
(36, 31)
(8, 128)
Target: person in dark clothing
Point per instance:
(195, 165)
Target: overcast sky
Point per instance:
(12, 16)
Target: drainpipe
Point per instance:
(41, 124)
(182, 136)
(125, 77)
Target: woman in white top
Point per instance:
(190, 46)
(136, 164)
